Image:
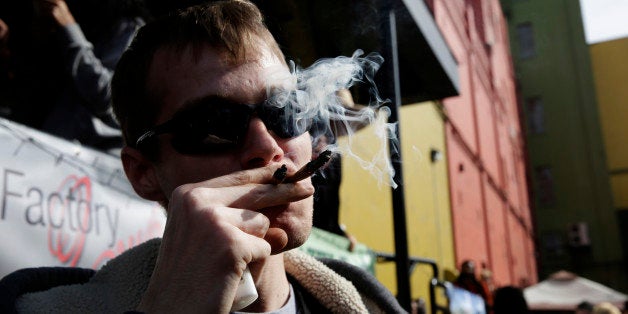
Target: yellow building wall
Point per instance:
(366, 206)
(610, 69)
(619, 184)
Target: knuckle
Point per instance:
(191, 198)
(304, 187)
(298, 191)
(241, 177)
(266, 248)
(179, 192)
(231, 241)
(261, 227)
(265, 221)
(194, 196)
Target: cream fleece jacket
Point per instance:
(119, 285)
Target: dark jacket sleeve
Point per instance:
(91, 72)
(28, 280)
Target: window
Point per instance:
(525, 36)
(535, 114)
(545, 186)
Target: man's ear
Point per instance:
(141, 174)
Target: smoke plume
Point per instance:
(321, 102)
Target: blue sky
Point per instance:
(604, 19)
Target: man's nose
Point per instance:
(260, 146)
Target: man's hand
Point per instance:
(212, 233)
(56, 9)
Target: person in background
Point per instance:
(327, 184)
(584, 307)
(4, 38)
(486, 279)
(90, 40)
(6, 72)
(509, 300)
(467, 280)
(202, 139)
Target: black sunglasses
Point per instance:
(217, 125)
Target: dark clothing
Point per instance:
(326, 198)
(82, 111)
(320, 286)
(38, 279)
(470, 283)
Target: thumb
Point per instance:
(277, 238)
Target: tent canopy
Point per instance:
(564, 291)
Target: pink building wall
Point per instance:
(489, 198)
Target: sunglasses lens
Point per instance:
(211, 129)
(282, 121)
(222, 126)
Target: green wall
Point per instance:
(571, 146)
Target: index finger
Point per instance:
(242, 177)
(251, 196)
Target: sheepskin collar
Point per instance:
(119, 285)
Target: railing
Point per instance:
(434, 281)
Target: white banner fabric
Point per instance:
(62, 204)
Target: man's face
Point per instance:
(178, 78)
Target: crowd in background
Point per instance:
(510, 299)
(56, 62)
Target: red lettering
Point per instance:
(68, 247)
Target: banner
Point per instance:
(62, 204)
(322, 243)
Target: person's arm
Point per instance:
(56, 9)
(4, 42)
(91, 78)
(4, 33)
(91, 75)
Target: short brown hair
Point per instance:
(231, 26)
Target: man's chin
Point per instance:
(290, 225)
(281, 241)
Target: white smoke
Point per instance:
(316, 94)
